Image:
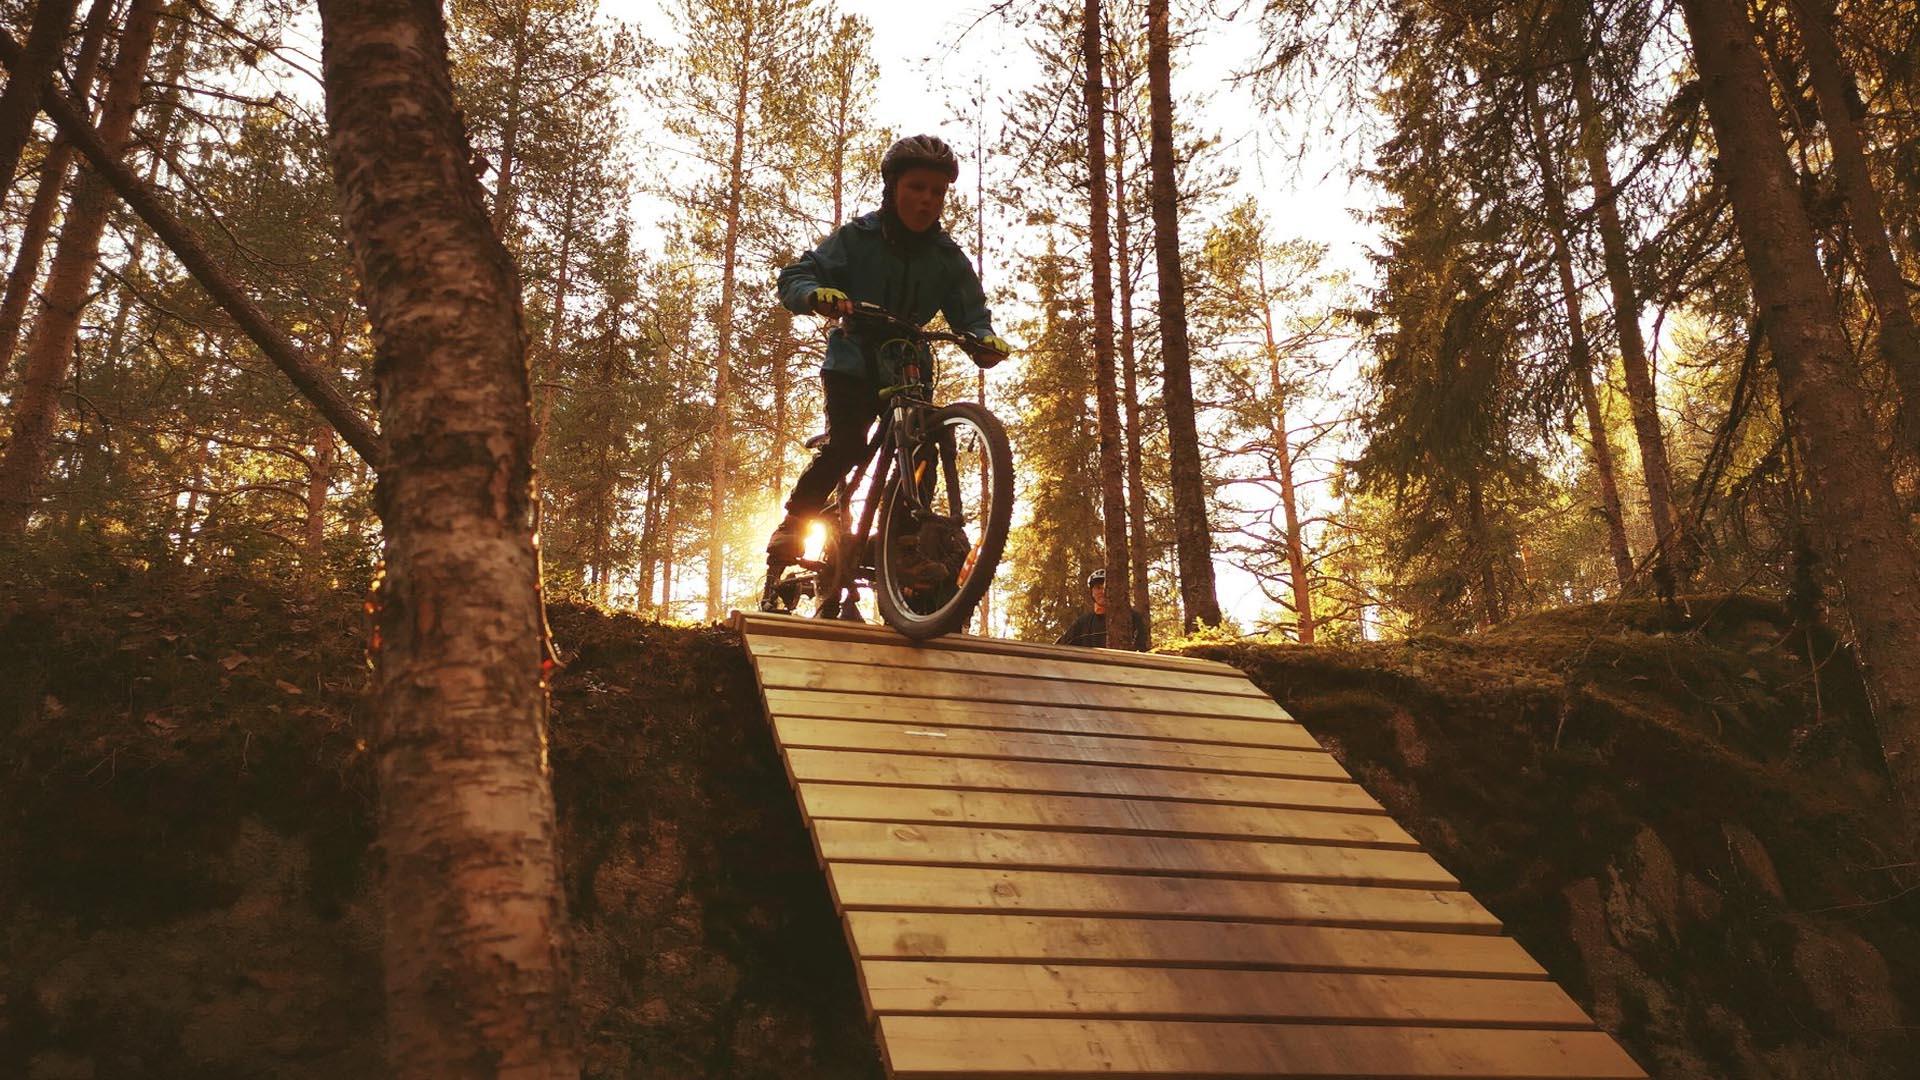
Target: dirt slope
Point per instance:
(1670, 810)
(1656, 806)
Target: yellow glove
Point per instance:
(830, 302)
(997, 349)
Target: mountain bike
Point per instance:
(938, 482)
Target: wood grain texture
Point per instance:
(1034, 849)
(869, 887)
(755, 626)
(1077, 939)
(941, 1047)
(1036, 989)
(1078, 813)
(853, 767)
(1056, 862)
(1012, 689)
(1177, 727)
(923, 658)
(803, 732)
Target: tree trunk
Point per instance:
(1192, 535)
(46, 196)
(1492, 610)
(1283, 462)
(1878, 567)
(782, 379)
(1578, 355)
(1129, 365)
(20, 101)
(1113, 501)
(1834, 87)
(503, 191)
(1672, 559)
(723, 331)
(314, 384)
(478, 972)
(649, 539)
(556, 326)
(56, 333)
(319, 479)
(159, 134)
(667, 533)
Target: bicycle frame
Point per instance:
(890, 453)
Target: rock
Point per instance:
(1751, 858)
(1643, 898)
(1703, 904)
(1606, 964)
(1407, 740)
(1846, 977)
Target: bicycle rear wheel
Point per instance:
(938, 553)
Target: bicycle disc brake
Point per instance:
(934, 555)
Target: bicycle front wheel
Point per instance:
(944, 526)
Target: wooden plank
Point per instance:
(898, 682)
(1178, 727)
(755, 625)
(968, 936)
(940, 987)
(935, 806)
(950, 1048)
(1034, 849)
(848, 766)
(868, 886)
(817, 734)
(933, 658)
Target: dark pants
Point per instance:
(852, 406)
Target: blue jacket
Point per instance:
(912, 277)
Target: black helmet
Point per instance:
(925, 151)
(1098, 577)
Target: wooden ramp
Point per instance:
(1057, 862)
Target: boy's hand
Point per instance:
(831, 302)
(997, 349)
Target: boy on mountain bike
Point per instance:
(902, 259)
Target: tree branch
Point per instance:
(316, 385)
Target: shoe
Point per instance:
(789, 539)
(850, 612)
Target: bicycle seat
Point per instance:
(817, 441)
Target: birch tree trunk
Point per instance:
(1192, 535)
(1578, 355)
(1834, 88)
(1113, 501)
(56, 333)
(1878, 566)
(1672, 551)
(477, 966)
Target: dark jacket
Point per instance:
(1090, 630)
(913, 277)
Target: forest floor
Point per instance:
(1677, 813)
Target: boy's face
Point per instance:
(920, 197)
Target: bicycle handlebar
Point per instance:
(873, 314)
